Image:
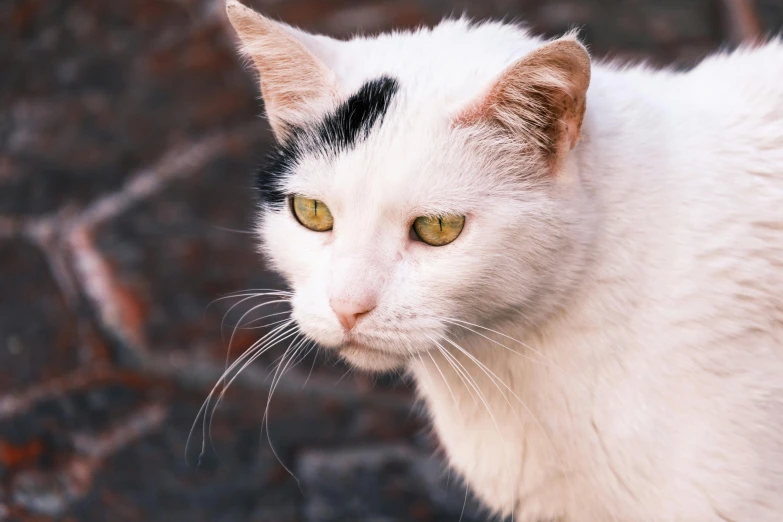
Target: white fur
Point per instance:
(644, 282)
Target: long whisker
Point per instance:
(252, 359)
(205, 406)
(279, 372)
(249, 351)
(348, 371)
(278, 360)
(239, 322)
(308, 347)
(258, 352)
(252, 309)
(473, 383)
(524, 356)
(258, 319)
(442, 351)
(460, 323)
(446, 382)
(315, 358)
(423, 367)
(464, 503)
(249, 293)
(492, 377)
(245, 360)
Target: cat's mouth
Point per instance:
(368, 358)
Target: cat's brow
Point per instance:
(355, 118)
(340, 130)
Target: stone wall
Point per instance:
(128, 133)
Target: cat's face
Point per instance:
(365, 280)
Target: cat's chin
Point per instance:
(370, 360)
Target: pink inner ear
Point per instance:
(295, 84)
(540, 100)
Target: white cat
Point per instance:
(628, 258)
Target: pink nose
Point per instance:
(348, 313)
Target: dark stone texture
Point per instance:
(386, 483)
(128, 140)
(38, 334)
(176, 253)
(98, 89)
(771, 16)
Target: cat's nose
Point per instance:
(349, 313)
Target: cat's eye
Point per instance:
(438, 231)
(312, 214)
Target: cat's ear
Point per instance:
(296, 84)
(540, 99)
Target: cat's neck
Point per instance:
(627, 161)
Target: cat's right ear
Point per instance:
(539, 100)
(297, 86)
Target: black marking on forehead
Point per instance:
(355, 117)
(281, 163)
(340, 130)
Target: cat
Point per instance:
(579, 263)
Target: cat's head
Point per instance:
(421, 179)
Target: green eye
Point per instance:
(312, 214)
(438, 231)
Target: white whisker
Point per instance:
(250, 293)
(279, 372)
(446, 382)
(442, 351)
(258, 353)
(253, 321)
(246, 360)
(474, 384)
(456, 322)
(233, 333)
(307, 347)
(312, 367)
(349, 370)
(206, 404)
(492, 377)
(464, 503)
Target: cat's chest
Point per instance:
(494, 434)
(541, 441)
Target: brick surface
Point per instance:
(128, 135)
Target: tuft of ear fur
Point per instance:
(539, 99)
(295, 84)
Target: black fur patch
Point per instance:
(350, 122)
(279, 165)
(354, 118)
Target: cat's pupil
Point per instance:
(315, 207)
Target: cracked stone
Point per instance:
(126, 84)
(38, 333)
(386, 483)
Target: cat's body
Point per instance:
(661, 395)
(636, 276)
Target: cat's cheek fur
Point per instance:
(302, 257)
(295, 252)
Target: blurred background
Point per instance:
(128, 135)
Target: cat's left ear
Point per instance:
(540, 99)
(296, 83)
